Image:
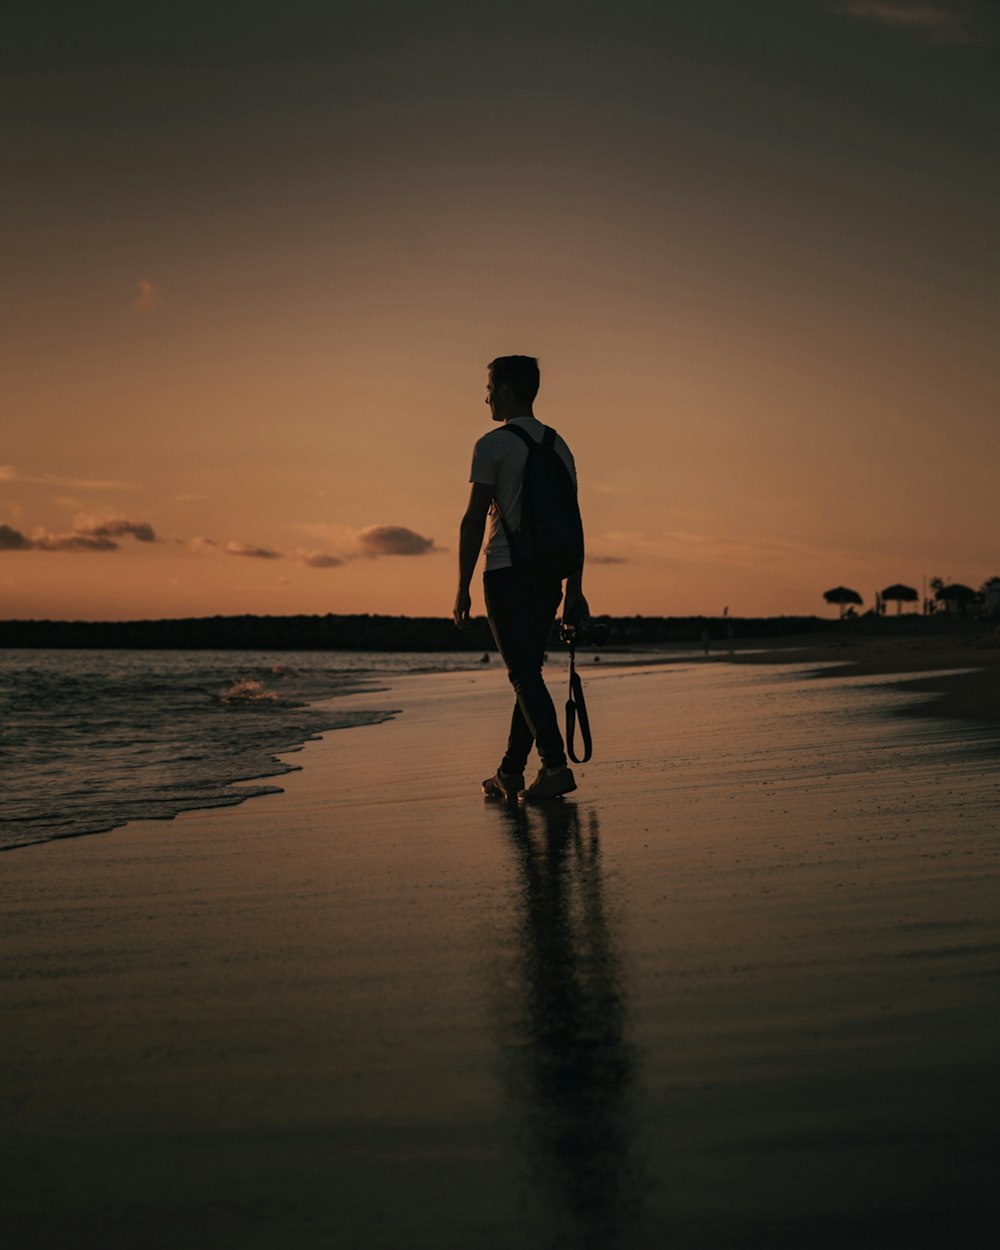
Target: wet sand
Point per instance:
(972, 696)
(739, 991)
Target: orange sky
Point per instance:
(257, 275)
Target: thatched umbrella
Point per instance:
(957, 594)
(901, 594)
(843, 596)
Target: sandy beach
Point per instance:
(739, 991)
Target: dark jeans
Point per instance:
(521, 607)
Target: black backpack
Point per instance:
(550, 537)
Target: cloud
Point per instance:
(366, 544)
(393, 540)
(13, 540)
(114, 527)
(370, 543)
(255, 553)
(8, 473)
(42, 540)
(938, 22)
(149, 296)
(592, 559)
(318, 560)
(250, 550)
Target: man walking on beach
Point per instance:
(521, 598)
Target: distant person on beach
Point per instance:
(521, 599)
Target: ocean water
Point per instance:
(92, 739)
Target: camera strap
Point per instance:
(576, 709)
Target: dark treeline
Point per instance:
(369, 633)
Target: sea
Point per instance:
(91, 739)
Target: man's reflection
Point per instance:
(567, 1063)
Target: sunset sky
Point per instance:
(257, 256)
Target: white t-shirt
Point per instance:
(498, 460)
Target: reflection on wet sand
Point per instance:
(568, 1065)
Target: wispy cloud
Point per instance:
(595, 559)
(366, 544)
(102, 532)
(311, 559)
(42, 540)
(254, 552)
(375, 541)
(318, 560)
(8, 473)
(148, 297)
(938, 22)
(85, 537)
(115, 527)
(250, 550)
(393, 540)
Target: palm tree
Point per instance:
(901, 594)
(842, 595)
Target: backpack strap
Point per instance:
(523, 435)
(548, 438)
(530, 443)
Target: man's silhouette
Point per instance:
(521, 603)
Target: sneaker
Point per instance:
(503, 785)
(549, 784)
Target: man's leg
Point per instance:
(520, 740)
(521, 610)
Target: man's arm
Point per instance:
(575, 607)
(470, 543)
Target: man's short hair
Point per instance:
(520, 373)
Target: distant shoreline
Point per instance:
(404, 633)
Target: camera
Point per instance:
(587, 634)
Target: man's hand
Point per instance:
(463, 606)
(575, 608)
